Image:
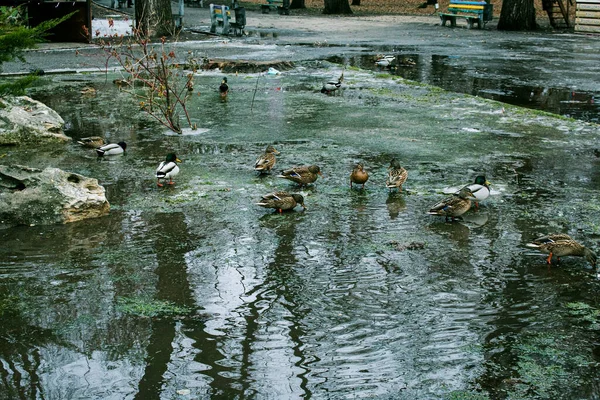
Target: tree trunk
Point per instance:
(337, 7)
(297, 4)
(154, 17)
(517, 15)
(355, 3)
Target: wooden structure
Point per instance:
(475, 12)
(558, 13)
(587, 16)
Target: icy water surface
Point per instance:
(192, 291)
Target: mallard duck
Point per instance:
(111, 149)
(359, 176)
(301, 175)
(453, 206)
(480, 189)
(396, 175)
(92, 142)
(384, 61)
(224, 88)
(266, 161)
(167, 169)
(332, 86)
(561, 245)
(282, 201)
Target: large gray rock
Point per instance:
(32, 196)
(24, 120)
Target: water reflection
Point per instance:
(395, 203)
(452, 73)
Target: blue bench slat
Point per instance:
(468, 3)
(465, 11)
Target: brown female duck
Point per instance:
(92, 142)
(266, 161)
(359, 176)
(282, 201)
(561, 245)
(453, 206)
(396, 175)
(301, 175)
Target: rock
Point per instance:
(30, 196)
(24, 120)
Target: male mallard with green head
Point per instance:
(223, 88)
(266, 161)
(453, 206)
(301, 175)
(167, 169)
(282, 201)
(561, 245)
(480, 189)
(359, 176)
(332, 85)
(111, 149)
(396, 175)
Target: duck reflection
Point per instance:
(457, 231)
(476, 219)
(395, 203)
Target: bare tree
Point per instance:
(517, 15)
(154, 17)
(337, 7)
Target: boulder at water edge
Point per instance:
(30, 196)
(24, 120)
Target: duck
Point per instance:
(561, 245)
(396, 175)
(331, 86)
(359, 176)
(224, 88)
(384, 61)
(168, 169)
(266, 161)
(282, 201)
(453, 206)
(92, 142)
(480, 189)
(111, 149)
(301, 175)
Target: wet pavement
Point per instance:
(552, 71)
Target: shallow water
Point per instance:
(363, 295)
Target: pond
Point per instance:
(193, 291)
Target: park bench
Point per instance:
(475, 12)
(219, 18)
(282, 6)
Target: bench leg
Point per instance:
(443, 20)
(469, 23)
(453, 22)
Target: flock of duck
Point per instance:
(451, 207)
